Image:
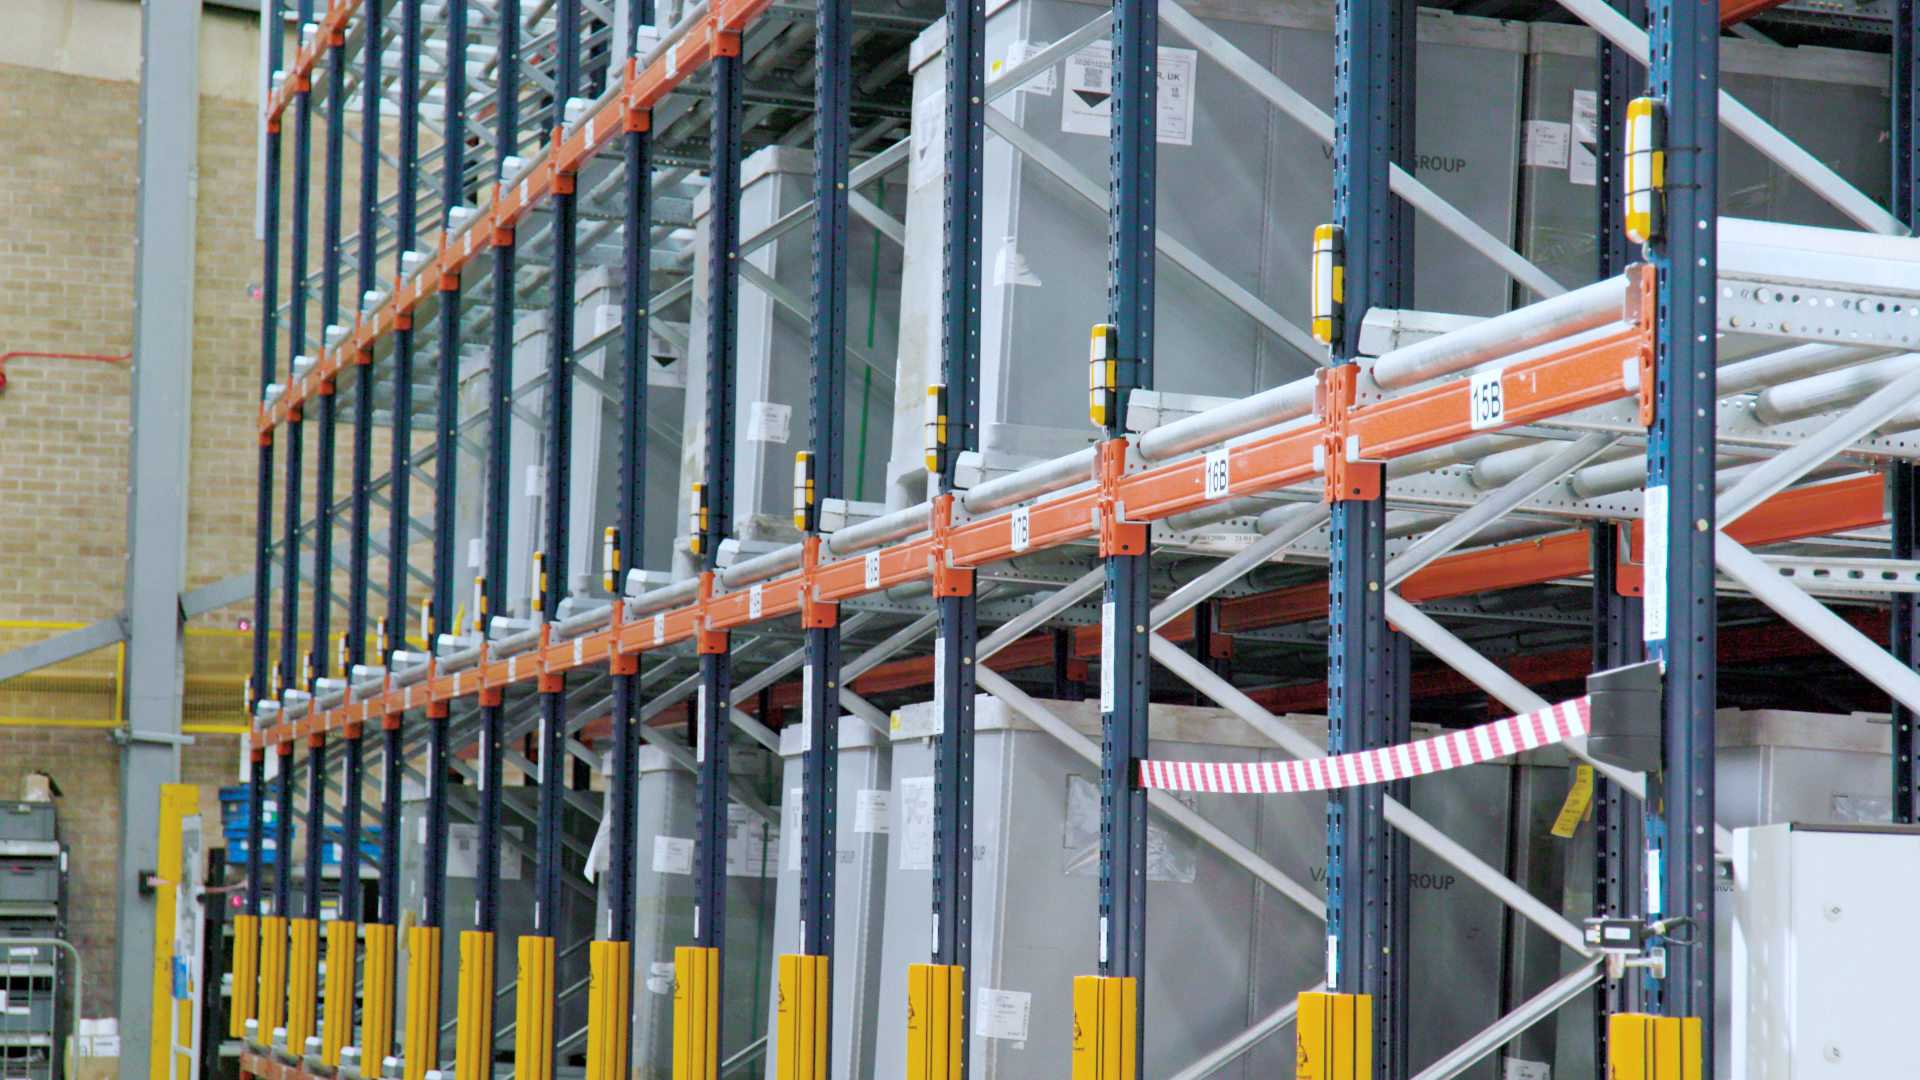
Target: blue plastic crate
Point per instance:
(237, 853)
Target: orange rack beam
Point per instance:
(1128, 492)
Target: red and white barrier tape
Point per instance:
(1528, 731)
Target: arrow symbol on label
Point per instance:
(1093, 98)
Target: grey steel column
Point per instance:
(157, 482)
(1366, 863)
(1680, 475)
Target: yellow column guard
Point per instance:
(609, 1007)
(1642, 1047)
(303, 981)
(1335, 1037)
(1105, 1028)
(336, 1018)
(802, 1032)
(376, 1008)
(473, 1039)
(273, 976)
(246, 974)
(696, 1013)
(178, 802)
(936, 1021)
(533, 1030)
(423, 1001)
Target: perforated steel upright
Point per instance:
(954, 683)
(1618, 828)
(624, 760)
(1681, 630)
(833, 101)
(716, 669)
(1367, 863)
(496, 471)
(259, 687)
(1126, 670)
(332, 195)
(440, 606)
(406, 234)
(1903, 476)
(360, 541)
(291, 675)
(556, 568)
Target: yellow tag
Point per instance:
(1579, 801)
(894, 724)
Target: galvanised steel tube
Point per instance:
(875, 531)
(1774, 368)
(671, 596)
(1290, 401)
(1030, 482)
(761, 567)
(1536, 324)
(1830, 391)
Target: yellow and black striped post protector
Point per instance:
(1335, 1037)
(273, 975)
(936, 1021)
(1105, 1027)
(473, 1012)
(801, 1035)
(696, 1013)
(303, 981)
(376, 991)
(1642, 1047)
(246, 974)
(609, 1005)
(533, 1021)
(336, 1021)
(423, 1001)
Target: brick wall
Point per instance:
(68, 160)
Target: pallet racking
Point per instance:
(1629, 361)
